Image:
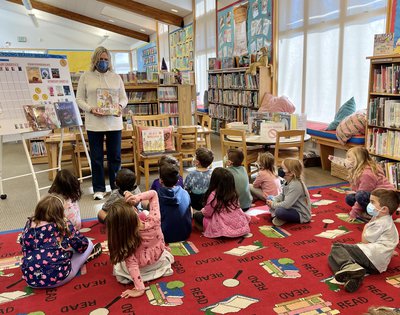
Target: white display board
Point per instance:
(36, 93)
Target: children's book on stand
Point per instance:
(41, 117)
(383, 44)
(288, 121)
(67, 115)
(153, 140)
(108, 101)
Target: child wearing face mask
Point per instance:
(293, 204)
(350, 262)
(365, 175)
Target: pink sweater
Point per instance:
(368, 181)
(152, 245)
(229, 224)
(268, 182)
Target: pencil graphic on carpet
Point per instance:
(104, 310)
(13, 284)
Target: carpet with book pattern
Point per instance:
(271, 271)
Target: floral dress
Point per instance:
(45, 261)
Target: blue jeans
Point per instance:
(362, 197)
(288, 215)
(113, 148)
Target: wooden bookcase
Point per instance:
(383, 117)
(232, 94)
(142, 99)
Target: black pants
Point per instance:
(345, 254)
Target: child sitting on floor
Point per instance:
(68, 186)
(365, 175)
(293, 204)
(350, 262)
(125, 181)
(137, 248)
(53, 251)
(197, 181)
(166, 159)
(222, 215)
(267, 182)
(234, 165)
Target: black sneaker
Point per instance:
(351, 271)
(352, 285)
(95, 252)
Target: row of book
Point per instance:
(384, 142)
(235, 80)
(169, 108)
(234, 97)
(173, 121)
(141, 109)
(384, 112)
(386, 79)
(167, 93)
(392, 172)
(142, 96)
(229, 113)
(38, 148)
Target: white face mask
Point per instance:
(348, 164)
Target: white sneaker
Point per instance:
(99, 195)
(278, 222)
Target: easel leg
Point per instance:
(31, 167)
(2, 194)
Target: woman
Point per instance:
(98, 123)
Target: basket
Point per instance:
(339, 171)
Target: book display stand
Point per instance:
(35, 95)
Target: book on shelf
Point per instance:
(384, 112)
(141, 109)
(384, 142)
(187, 77)
(211, 63)
(392, 171)
(41, 117)
(108, 101)
(383, 44)
(37, 148)
(167, 93)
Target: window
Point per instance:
(323, 47)
(205, 43)
(121, 62)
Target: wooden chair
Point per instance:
(232, 138)
(293, 149)
(146, 163)
(187, 142)
(204, 140)
(127, 149)
(79, 159)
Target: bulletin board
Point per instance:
(181, 48)
(35, 93)
(245, 27)
(78, 60)
(147, 58)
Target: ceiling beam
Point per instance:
(146, 10)
(85, 20)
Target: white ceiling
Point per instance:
(101, 12)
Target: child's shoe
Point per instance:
(278, 222)
(350, 271)
(95, 252)
(352, 285)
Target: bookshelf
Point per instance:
(177, 101)
(232, 94)
(37, 150)
(383, 118)
(142, 99)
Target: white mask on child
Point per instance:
(348, 164)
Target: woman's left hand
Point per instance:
(132, 293)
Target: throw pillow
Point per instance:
(351, 126)
(275, 104)
(345, 110)
(168, 137)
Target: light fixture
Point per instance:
(112, 21)
(27, 4)
(29, 9)
(105, 37)
(143, 30)
(34, 19)
(174, 10)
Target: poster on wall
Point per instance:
(147, 59)
(35, 93)
(250, 30)
(181, 48)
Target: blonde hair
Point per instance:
(382, 310)
(363, 160)
(295, 167)
(267, 162)
(96, 57)
(123, 231)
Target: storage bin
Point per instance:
(339, 171)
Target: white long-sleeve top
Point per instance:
(86, 97)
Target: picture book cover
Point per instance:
(108, 101)
(67, 114)
(383, 44)
(153, 140)
(41, 117)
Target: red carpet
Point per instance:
(278, 271)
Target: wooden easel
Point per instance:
(23, 138)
